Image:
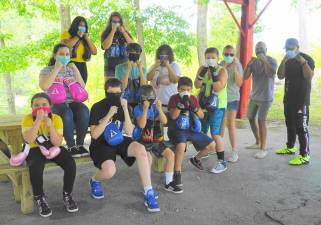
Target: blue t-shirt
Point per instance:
(134, 73)
(153, 131)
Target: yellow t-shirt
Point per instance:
(27, 123)
(80, 50)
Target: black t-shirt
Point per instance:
(100, 110)
(116, 53)
(297, 88)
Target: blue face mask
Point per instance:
(228, 59)
(291, 54)
(82, 29)
(64, 60)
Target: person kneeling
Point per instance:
(185, 109)
(110, 128)
(43, 133)
(150, 119)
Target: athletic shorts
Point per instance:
(102, 152)
(157, 148)
(199, 140)
(213, 121)
(259, 109)
(233, 106)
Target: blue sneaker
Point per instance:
(97, 191)
(151, 202)
(220, 167)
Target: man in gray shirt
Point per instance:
(263, 70)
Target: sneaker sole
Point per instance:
(84, 154)
(151, 210)
(288, 153)
(46, 215)
(72, 211)
(217, 172)
(175, 192)
(76, 156)
(304, 163)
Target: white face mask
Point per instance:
(182, 94)
(211, 62)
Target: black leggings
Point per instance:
(297, 120)
(36, 162)
(82, 67)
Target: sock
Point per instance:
(220, 155)
(168, 177)
(147, 188)
(94, 178)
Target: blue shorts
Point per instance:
(233, 106)
(199, 140)
(214, 121)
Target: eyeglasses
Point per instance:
(228, 54)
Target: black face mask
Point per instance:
(113, 98)
(133, 57)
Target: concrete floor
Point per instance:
(250, 192)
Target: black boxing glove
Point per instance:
(202, 73)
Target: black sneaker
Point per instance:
(197, 163)
(83, 151)
(177, 179)
(43, 206)
(69, 203)
(74, 152)
(173, 188)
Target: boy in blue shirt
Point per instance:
(150, 118)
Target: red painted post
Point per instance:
(246, 50)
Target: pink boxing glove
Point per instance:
(47, 148)
(57, 92)
(78, 93)
(17, 160)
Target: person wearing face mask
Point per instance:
(211, 79)
(297, 68)
(262, 69)
(234, 82)
(111, 130)
(164, 74)
(42, 122)
(75, 115)
(132, 74)
(184, 125)
(77, 38)
(150, 119)
(114, 40)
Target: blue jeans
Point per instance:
(74, 116)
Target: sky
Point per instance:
(280, 20)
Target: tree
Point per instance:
(139, 29)
(65, 17)
(201, 34)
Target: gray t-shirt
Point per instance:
(233, 91)
(263, 84)
(64, 73)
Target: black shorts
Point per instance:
(102, 152)
(157, 148)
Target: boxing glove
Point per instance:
(47, 148)
(17, 160)
(57, 92)
(137, 133)
(113, 135)
(197, 125)
(183, 122)
(78, 93)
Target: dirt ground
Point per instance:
(251, 191)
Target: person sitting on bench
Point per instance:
(43, 132)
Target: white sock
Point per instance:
(168, 177)
(147, 188)
(94, 179)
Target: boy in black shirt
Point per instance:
(111, 128)
(297, 69)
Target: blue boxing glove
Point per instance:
(137, 133)
(113, 135)
(183, 122)
(197, 125)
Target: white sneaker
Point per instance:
(261, 154)
(234, 157)
(254, 146)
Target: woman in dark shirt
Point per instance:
(114, 40)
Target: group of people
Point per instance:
(130, 121)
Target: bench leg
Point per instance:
(16, 184)
(26, 194)
(4, 178)
(158, 164)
